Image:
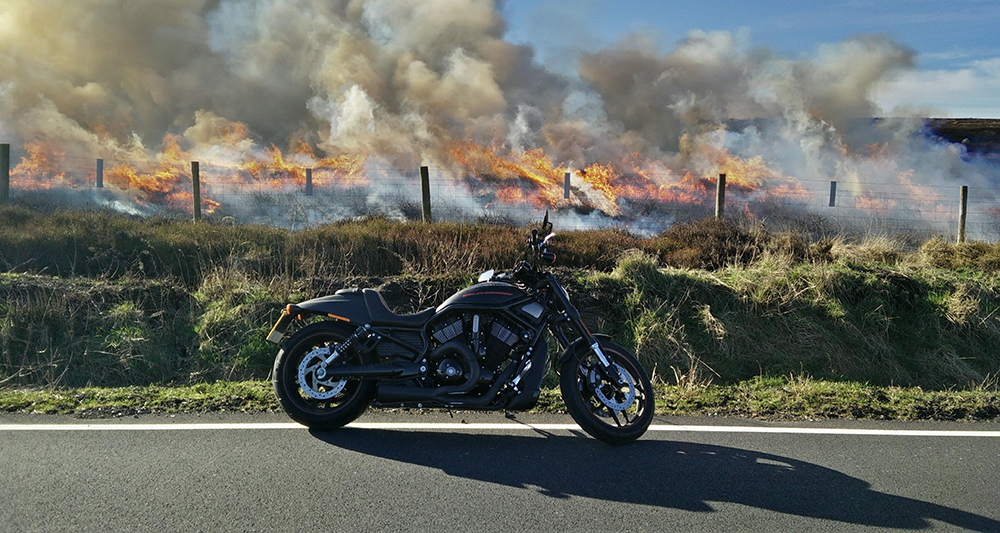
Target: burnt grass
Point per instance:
(978, 135)
(106, 315)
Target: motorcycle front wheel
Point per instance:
(608, 412)
(299, 384)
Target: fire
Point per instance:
(753, 175)
(899, 190)
(275, 170)
(493, 173)
(601, 177)
(515, 174)
(162, 184)
(42, 168)
(161, 180)
(604, 185)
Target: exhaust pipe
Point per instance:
(390, 394)
(389, 370)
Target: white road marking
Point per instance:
(112, 426)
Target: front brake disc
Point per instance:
(617, 399)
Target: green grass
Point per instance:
(246, 396)
(768, 399)
(805, 398)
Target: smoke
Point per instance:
(404, 81)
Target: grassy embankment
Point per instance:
(104, 314)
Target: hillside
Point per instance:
(99, 299)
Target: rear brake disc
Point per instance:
(312, 376)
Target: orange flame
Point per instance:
(162, 184)
(41, 169)
(512, 177)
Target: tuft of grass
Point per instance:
(57, 332)
(710, 244)
(236, 312)
(976, 256)
(840, 321)
(872, 249)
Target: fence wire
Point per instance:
(245, 194)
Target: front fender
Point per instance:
(579, 348)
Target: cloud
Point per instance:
(967, 92)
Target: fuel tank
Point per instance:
(489, 295)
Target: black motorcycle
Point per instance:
(484, 348)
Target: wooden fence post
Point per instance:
(833, 194)
(4, 172)
(196, 190)
(963, 212)
(720, 197)
(566, 187)
(425, 193)
(309, 182)
(100, 173)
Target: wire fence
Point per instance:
(297, 197)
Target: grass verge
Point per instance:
(785, 398)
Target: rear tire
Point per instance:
(348, 398)
(615, 415)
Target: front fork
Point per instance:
(609, 369)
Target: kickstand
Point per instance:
(509, 415)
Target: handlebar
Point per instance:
(538, 252)
(528, 271)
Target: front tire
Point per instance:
(323, 405)
(616, 415)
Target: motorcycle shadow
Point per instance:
(668, 474)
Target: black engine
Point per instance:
(489, 338)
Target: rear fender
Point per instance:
(346, 306)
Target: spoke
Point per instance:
(614, 416)
(597, 406)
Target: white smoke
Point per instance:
(403, 81)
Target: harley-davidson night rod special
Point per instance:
(483, 348)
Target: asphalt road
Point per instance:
(513, 478)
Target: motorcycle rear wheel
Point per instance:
(615, 415)
(347, 399)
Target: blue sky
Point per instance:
(957, 41)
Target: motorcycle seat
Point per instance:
(382, 316)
